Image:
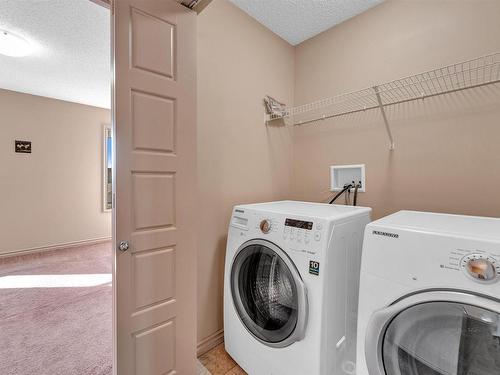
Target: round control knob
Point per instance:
(480, 267)
(265, 226)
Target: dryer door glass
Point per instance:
(264, 291)
(443, 338)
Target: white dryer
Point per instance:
(290, 289)
(430, 296)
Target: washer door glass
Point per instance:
(443, 338)
(264, 290)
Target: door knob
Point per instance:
(123, 246)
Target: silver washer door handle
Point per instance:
(123, 246)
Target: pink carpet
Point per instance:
(55, 312)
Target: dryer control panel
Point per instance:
(478, 265)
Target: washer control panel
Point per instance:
(302, 232)
(480, 267)
(265, 225)
(299, 224)
(296, 235)
(298, 231)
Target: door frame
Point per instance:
(107, 4)
(381, 319)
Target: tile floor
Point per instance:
(218, 362)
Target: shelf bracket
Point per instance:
(386, 123)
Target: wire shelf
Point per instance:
(468, 74)
(476, 72)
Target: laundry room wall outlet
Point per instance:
(340, 175)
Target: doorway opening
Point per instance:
(57, 151)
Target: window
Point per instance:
(107, 180)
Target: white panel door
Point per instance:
(155, 132)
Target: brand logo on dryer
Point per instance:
(386, 234)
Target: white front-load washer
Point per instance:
(430, 296)
(290, 288)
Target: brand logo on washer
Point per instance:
(314, 267)
(387, 234)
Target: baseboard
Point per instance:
(210, 342)
(42, 249)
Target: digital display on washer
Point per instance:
(299, 224)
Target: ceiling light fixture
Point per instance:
(14, 45)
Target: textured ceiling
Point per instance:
(71, 60)
(298, 20)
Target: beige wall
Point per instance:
(447, 155)
(52, 196)
(240, 159)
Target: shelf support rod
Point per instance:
(386, 123)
